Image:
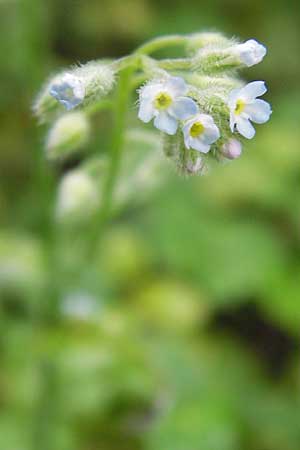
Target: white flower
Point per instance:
(166, 102)
(200, 132)
(232, 149)
(68, 90)
(244, 106)
(250, 52)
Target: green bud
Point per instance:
(69, 133)
(209, 39)
(78, 198)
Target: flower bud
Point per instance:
(82, 85)
(69, 133)
(78, 197)
(69, 90)
(45, 107)
(85, 83)
(250, 52)
(232, 149)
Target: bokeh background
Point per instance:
(183, 333)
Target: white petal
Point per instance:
(253, 90)
(245, 128)
(232, 98)
(146, 111)
(149, 91)
(177, 85)
(166, 123)
(259, 111)
(206, 120)
(197, 144)
(210, 135)
(183, 108)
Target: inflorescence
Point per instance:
(198, 102)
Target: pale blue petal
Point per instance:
(166, 123)
(146, 111)
(253, 90)
(245, 128)
(259, 111)
(198, 145)
(183, 108)
(69, 91)
(210, 135)
(177, 85)
(233, 96)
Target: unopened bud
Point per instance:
(232, 149)
(250, 52)
(84, 84)
(69, 133)
(78, 197)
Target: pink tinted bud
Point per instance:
(232, 149)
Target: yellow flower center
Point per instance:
(239, 107)
(162, 101)
(196, 129)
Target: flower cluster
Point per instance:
(209, 114)
(197, 101)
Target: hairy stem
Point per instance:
(162, 42)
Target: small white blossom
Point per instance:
(68, 90)
(232, 149)
(200, 132)
(166, 102)
(244, 106)
(250, 52)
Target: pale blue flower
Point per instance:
(167, 103)
(200, 132)
(68, 90)
(244, 106)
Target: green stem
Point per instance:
(175, 64)
(120, 109)
(121, 106)
(162, 42)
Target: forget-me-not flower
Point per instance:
(244, 106)
(167, 103)
(200, 132)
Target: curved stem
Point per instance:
(162, 42)
(175, 64)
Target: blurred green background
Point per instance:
(183, 334)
